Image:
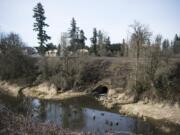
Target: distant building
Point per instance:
(29, 50)
(51, 53)
(82, 51)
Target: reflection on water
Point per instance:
(69, 115)
(82, 114)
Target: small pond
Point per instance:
(81, 114)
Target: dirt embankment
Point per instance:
(43, 91)
(10, 89)
(158, 111)
(49, 91)
(127, 105)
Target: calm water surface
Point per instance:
(82, 114)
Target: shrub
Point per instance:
(162, 81)
(175, 77)
(49, 67)
(14, 64)
(141, 86)
(93, 71)
(167, 82)
(60, 71)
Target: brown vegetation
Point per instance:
(148, 71)
(14, 64)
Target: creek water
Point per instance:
(82, 114)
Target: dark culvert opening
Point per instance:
(100, 90)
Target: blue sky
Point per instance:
(111, 16)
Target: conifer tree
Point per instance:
(176, 44)
(94, 41)
(39, 26)
(73, 35)
(82, 39)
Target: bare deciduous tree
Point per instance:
(139, 38)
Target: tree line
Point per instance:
(100, 42)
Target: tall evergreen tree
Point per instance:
(105, 46)
(50, 46)
(39, 27)
(73, 35)
(165, 44)
(73, 29)
(100, 38)
(123, 48)
(176, 45)
(107, 42)
(94, 41)
(82, 39)
(176, 37)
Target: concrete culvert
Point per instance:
(100, 90)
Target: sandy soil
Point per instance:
(10, 89)
(48, 91)
(142, 109)
(155, 111)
